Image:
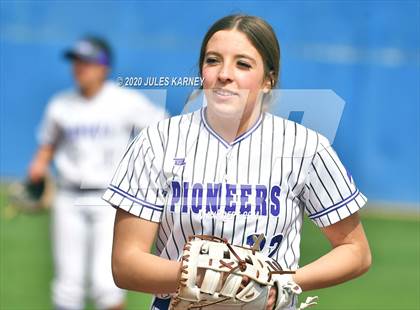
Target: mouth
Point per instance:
(225, 93)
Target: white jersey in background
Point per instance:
(91, 134)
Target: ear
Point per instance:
(268, 83)
(266, 87)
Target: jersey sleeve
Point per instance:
(136, 185)
(330, 192)
(49, 130)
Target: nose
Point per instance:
(225, 73)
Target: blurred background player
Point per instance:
(85, 131)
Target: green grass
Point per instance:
(26, 268)
(392, 282)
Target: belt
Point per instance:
(76, 188)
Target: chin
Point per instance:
(227, 109)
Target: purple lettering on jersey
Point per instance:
(250, 240)
(193, 198)
(179, 161)
(94, 130)
(89, 131)
(230, 192)
(261, 200)
(197, 198)
(245, 191)
(185, 198)
(275, 202)
(214, 192)
(176, 194)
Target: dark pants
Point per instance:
(160, 304)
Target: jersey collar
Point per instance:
(238, 139)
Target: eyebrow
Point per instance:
(236, 56)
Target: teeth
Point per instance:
(224, 92)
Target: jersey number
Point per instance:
(274, 242)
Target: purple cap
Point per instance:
(92, 50)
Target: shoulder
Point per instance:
(61, 100)
(181, 121)
(136, 103)
(303, 138)
(170, 126)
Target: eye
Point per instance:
(244, 64)
(210, 60)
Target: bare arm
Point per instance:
(349, 258)
(39, 165)
(133, 267)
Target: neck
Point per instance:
(231, 127)
(91, 90)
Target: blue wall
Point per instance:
(366, 52)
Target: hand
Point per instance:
(37, 171)
(39, 165)
(271, 302)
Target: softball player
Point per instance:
(233, 171)
(86, 131)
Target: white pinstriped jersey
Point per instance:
(181, 174)
(90, 134)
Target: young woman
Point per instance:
(233, 171)
(95, 115)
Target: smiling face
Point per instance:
(233, 72)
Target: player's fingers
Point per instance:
(200, 276)
(244, 282)
(36, 172)
(271, 299)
